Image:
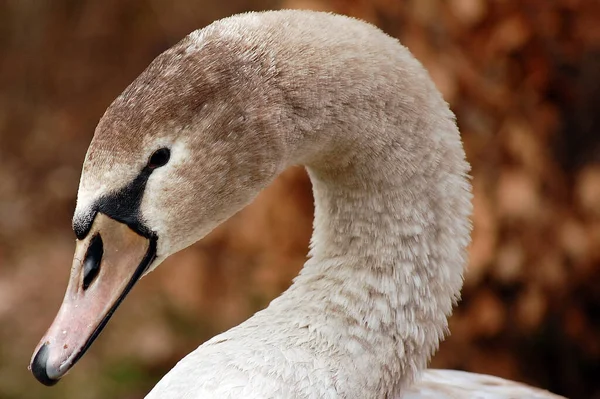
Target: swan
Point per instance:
(214, 120)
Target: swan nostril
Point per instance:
(91, 263)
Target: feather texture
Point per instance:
(452, 384)
(239, 101)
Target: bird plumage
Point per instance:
(244, 98)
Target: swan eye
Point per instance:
(159, 158)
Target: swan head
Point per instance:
(180, 151)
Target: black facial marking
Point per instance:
(91, 263)
(124, 205)
(83, 223)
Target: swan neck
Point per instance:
(388, 246)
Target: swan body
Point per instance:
(214, 120)
(453, 384)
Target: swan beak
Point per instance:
(106, 265)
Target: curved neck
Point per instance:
(390, 232)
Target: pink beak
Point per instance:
(106, 265)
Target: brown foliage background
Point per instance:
(524, 80)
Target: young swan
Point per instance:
(210, 123)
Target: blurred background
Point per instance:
(523, 78)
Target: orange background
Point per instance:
(524, 80)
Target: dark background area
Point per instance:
(523, 78)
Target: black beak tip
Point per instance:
(38, 367)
